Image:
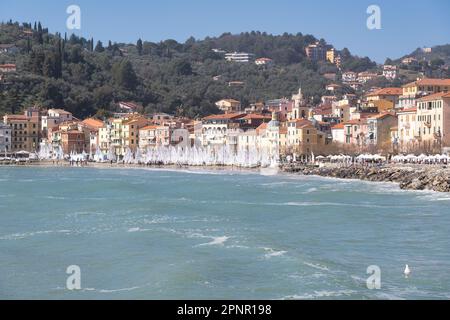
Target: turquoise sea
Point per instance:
(198, 234)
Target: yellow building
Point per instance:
(433, 117)
(303, 137)
(418, 89)
(121, 134)
(407, 130)
(25, 130)
(387, 94)
(229, 105)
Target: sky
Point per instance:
(405, 25)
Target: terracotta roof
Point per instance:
(407, 110)
(387, 92)
(435, 96)
(19, 117)
(93, 123)
(338, 126)
(256, 116)
(356, 121)
(8, 65)
(381, 115)
(228, 116)
(302, 123)
(263, 126)
(149, 128)
(229, 100)
(429, 82)
(60, 111)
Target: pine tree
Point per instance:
(139, 46)
(99, 47)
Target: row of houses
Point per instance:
(416, 116)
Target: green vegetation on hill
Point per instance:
(89, 78)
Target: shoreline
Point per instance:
(406, 176)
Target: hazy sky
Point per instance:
(406, 25)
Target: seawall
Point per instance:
(421, 177)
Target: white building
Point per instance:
(53, 119)
(5, 138)
(390, 72)
(338, 134)
(217, 128)
(239, 57)
(264, 62)
(349, 76)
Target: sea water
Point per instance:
(198, 234)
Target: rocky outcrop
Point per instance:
(409, 178)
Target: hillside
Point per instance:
(89, 78)
(431, 62)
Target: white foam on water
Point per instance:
(137, 229)
(320, 294)
(54, 198)
(216, 241)
(316, 266)
(310, 190)
(118, 290)
(19, 236)
(273, 253)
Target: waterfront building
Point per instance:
(303, 137)
(215, 128)
(420, 88)
(122, 134)
(93, 126)
(52, 120)
(355, 132)
(408, 130)
(70, 140)
(25, 130)
(229, 105)
(433, 117)
(379, 130)
(337, 133)
(147, 137)
(248, 139)
(5, 138)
